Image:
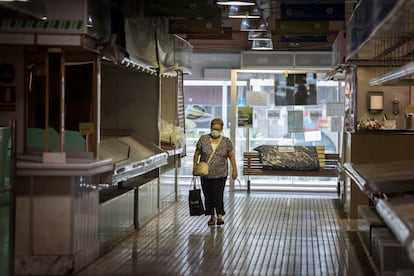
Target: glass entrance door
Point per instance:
(266, 107)
(286, 108)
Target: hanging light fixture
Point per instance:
(253, 24)
(236, 3)
(255, 35)
(262, 45)
(244, 12)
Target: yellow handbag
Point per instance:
(201, 169)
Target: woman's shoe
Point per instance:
(212, 221)
(220, 220)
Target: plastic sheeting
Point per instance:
(165, 47)
(150, 45)
(140, 40)
(183, 54)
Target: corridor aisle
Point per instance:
(263, 234)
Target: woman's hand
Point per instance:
(234, 174)
(195, 159)
(233, 165)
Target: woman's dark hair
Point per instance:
(217, 121)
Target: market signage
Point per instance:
(304, 38)
(62, 17)
(181, 8)
(312, 12)
(301, 27)
(34, 25)
(195, 26)
(86, 128)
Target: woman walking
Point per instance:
(214, 183)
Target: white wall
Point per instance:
(365, 74)
(201, 61)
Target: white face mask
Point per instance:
(215, 133)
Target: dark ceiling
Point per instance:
(290, 22)
(209, 30)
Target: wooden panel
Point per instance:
(388, 146)
(180, 100)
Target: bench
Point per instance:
(329, 167)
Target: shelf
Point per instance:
(399, 77)
(385, 37)
(383, 33)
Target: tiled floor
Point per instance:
(263, 234)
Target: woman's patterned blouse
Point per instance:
(218, 166)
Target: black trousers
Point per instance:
(213, 190)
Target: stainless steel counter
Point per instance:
(398, 216)
(57, 221)
(30, 165)
(131, 158)
(390, 185)
(383, 178)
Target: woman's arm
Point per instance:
(233, 165)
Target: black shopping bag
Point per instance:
(195, 200)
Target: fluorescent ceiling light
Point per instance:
(236, 3)
(255, 35)
(262, 82)
(262, 45)
(244, 12)
(401, 75)
(253, 24)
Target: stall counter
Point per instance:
(57, 218)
